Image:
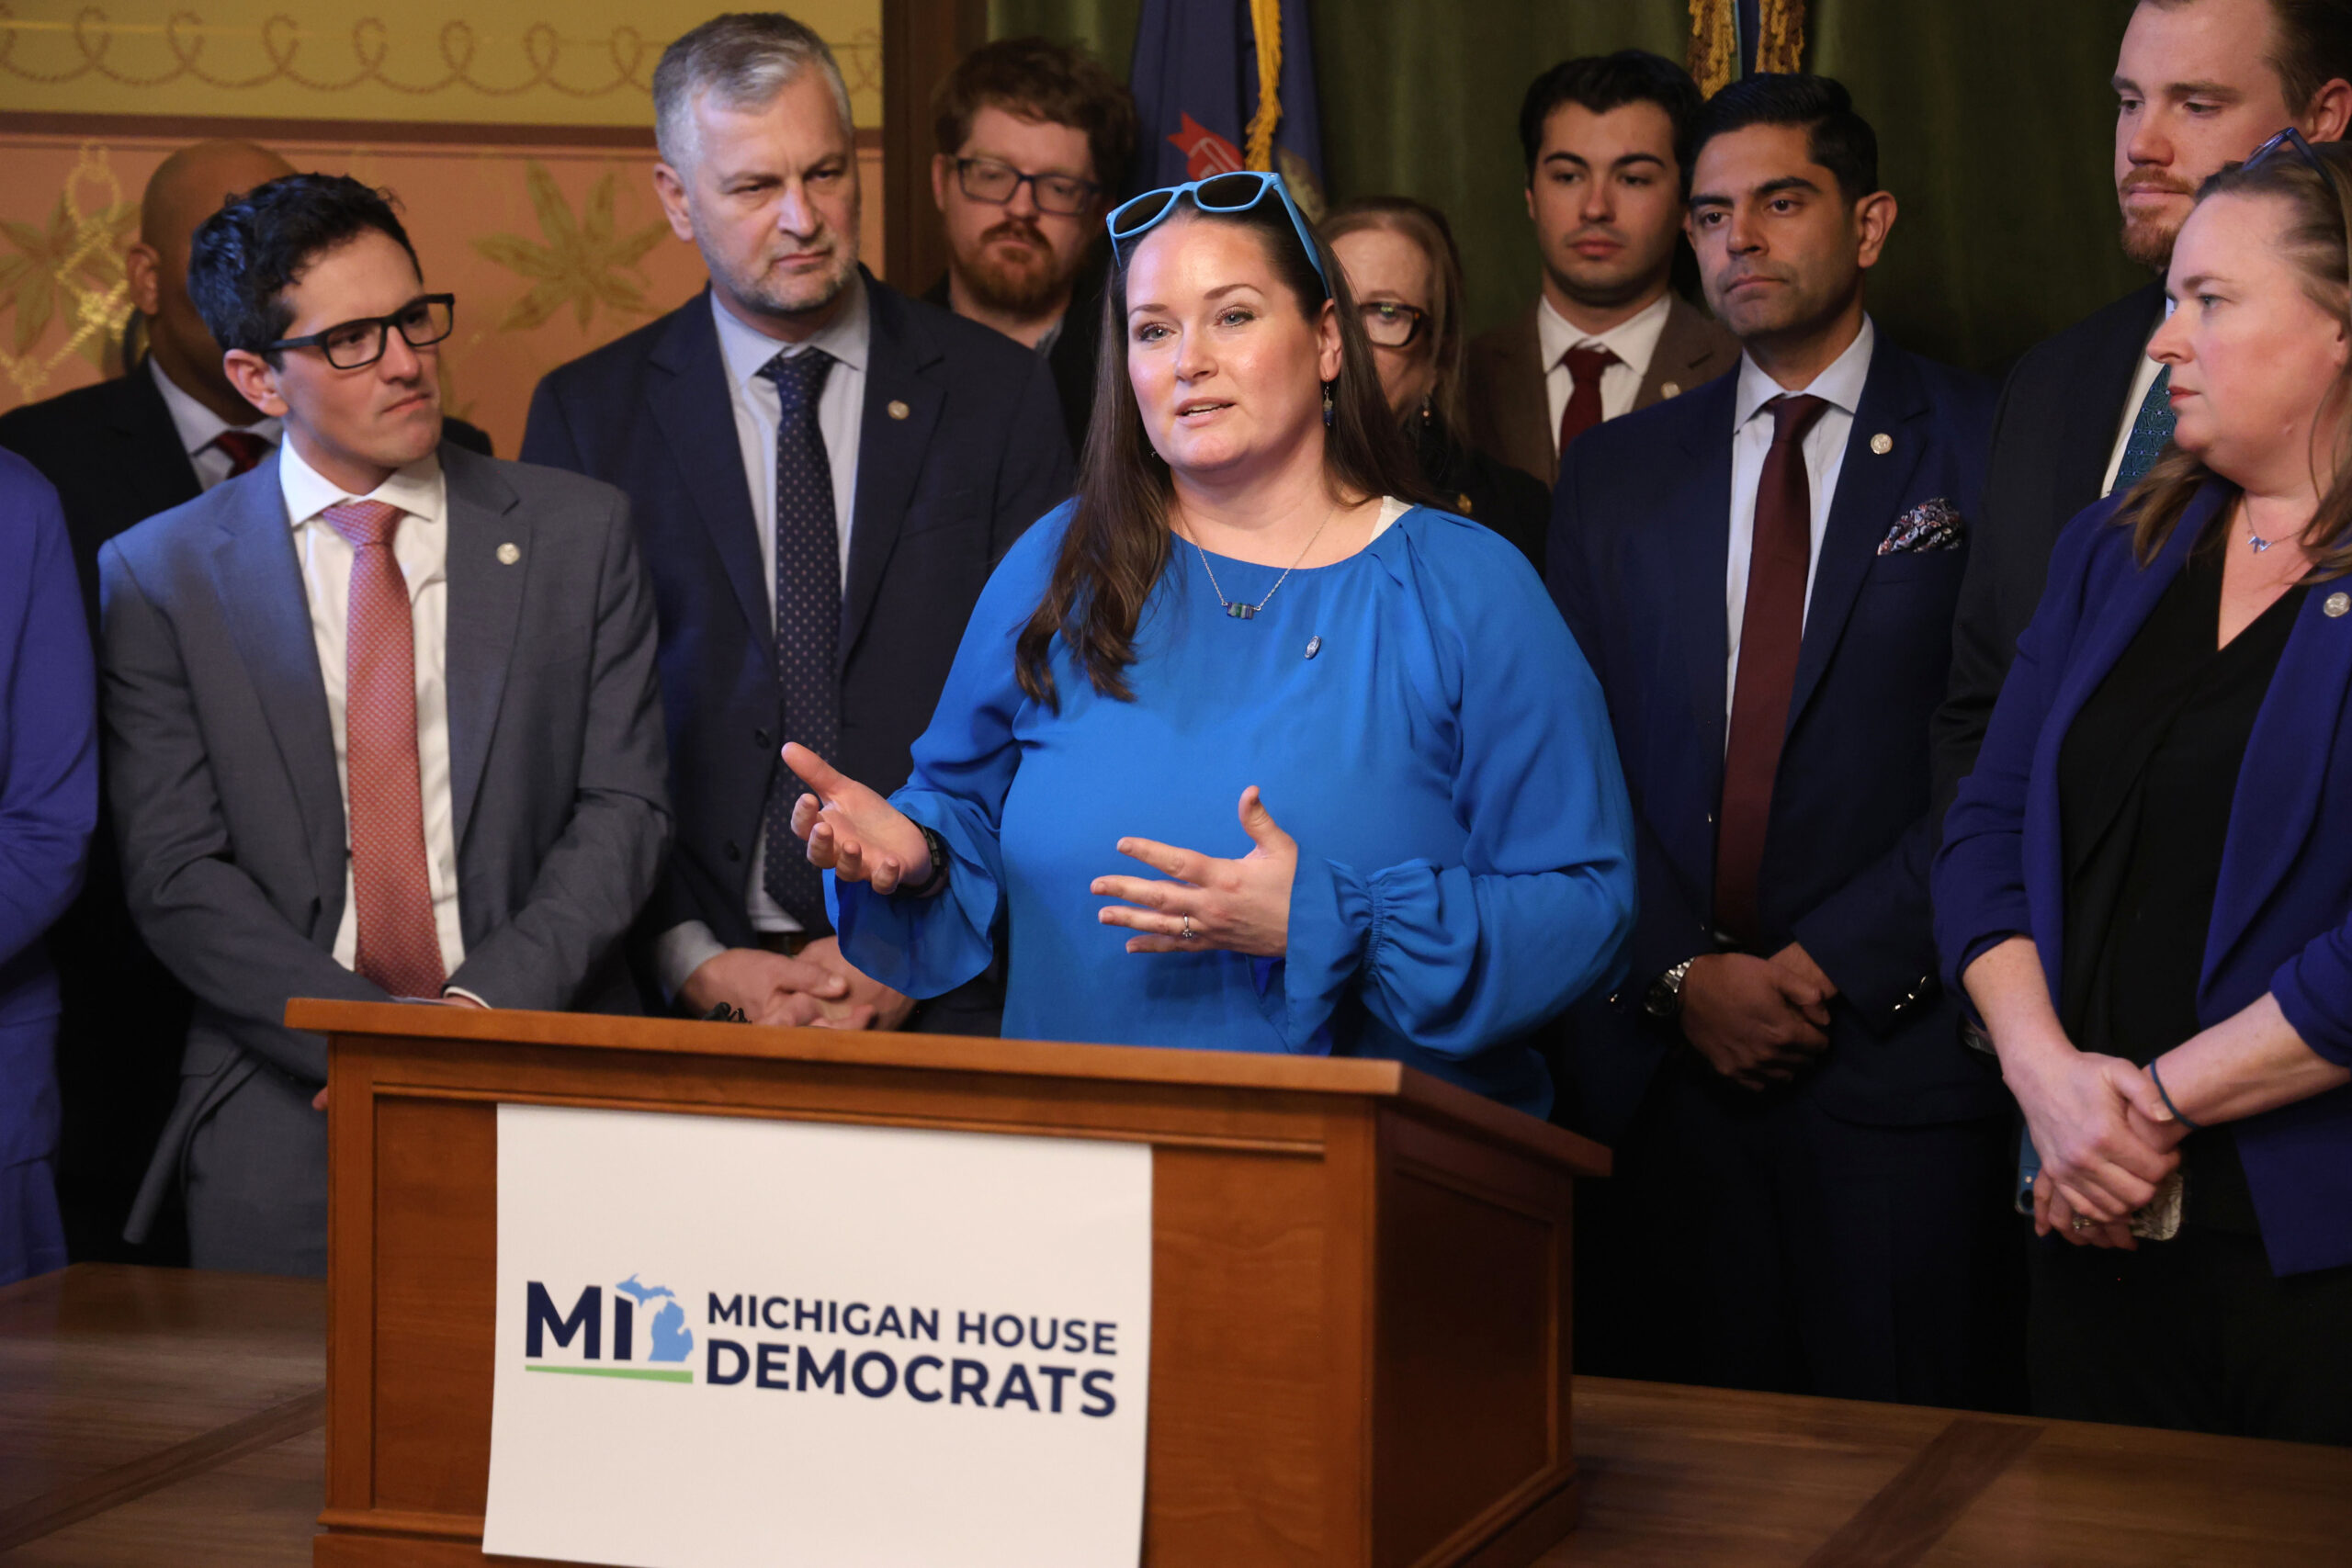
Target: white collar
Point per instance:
(1840, 385)
(199, 426)
(1633, 340)
(847, 337)
(416, 490)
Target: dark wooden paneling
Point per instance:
(921, 41)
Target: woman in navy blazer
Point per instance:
(2145, 887)
(49, 803)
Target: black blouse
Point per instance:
(2145, 778)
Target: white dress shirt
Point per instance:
(2142, 380)
(759, 407)
(199, 427)
(420, 545)
(1634, 341)
(1824, 455)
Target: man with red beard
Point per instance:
(1032, 139)
(2197, 84)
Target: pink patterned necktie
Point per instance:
(398, 947)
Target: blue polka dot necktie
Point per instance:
(808, 621)
(2151, 433)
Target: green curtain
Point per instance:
(1995, 122)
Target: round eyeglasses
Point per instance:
(354, 345)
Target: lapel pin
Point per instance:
(2337, 604)
(1882, 443)
(898, 410)
(1670, 390)
(509, 553)
(1315, 644)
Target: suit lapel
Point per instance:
(485, 609)
(1680, 358)
(2283, 776)
(2091, 422)
(902, 405)
(697, 415)
(1698, 545)
(158, 469)
(1870, 490)
(258, 583)
(1529, 408)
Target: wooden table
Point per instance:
(153, 1417)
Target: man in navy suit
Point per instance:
(1762, 572)
(824, 472)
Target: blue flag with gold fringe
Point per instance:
(1198, 75)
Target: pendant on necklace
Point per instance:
(1241, 612)
(2256, 543)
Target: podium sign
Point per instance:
(724, 1342)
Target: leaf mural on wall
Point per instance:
(577, 261)
(71, 254)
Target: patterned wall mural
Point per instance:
(525, 179)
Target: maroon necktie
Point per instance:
(243, 449)
(1583, 409)
(398, 947)
(1772, 628)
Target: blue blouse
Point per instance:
(1417, 716)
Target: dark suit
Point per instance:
(221, 762)
(942, 492)
(115, 457)
(2052, 435)
(1510, 415)
(1822, 1218)
(1076, 349)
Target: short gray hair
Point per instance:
(745, 57)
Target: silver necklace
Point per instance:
(1249, 612)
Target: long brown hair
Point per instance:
(1117, 544)
(2318, 240)
(1426, 227)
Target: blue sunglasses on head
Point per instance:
(1237, 192)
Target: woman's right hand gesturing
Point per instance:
(851, 831)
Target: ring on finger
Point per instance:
(2081, 1223)
(1187, 934)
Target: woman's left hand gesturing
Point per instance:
(1241, 906)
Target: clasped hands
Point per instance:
(2106, 1139)
(1241, 906)
(1758, 1021)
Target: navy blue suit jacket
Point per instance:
(2282, 913)
(1640, 538)
(974, 454)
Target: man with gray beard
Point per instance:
(823, 472)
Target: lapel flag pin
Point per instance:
(509, 553)
(1882, 443)
(898, 410)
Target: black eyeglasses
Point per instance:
(354, 345)
(1391, 325)
(985, 179)
(2287, 141)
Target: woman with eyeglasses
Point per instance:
(1244, 607)
(2147, 886)
(1406, 274)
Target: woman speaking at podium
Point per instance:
(1433, 851)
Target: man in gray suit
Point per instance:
(380, 715)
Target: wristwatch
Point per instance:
(1664, 998)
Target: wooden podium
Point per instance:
(1360, 1274)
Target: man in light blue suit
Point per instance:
(380, 715)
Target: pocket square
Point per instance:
(1934, 524)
